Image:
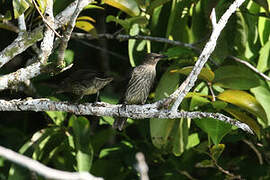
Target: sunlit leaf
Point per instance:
(243, 117)
(84, 149)
(262, 95)
(264, 29)
(131, 43)
(216, 129)
(205, 74)
(19, 7)
(128, 6)
(193, 140)
(245, 101)
(264, 58)
(160, 129)
(57, 116)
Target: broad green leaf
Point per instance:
(82, 138)
(264, 3)
(161, 129)
(57, 117)
(128, 6)
(216, 150)
(243, 117)
(264, 29)
(193, 140)
(245, 101)
(205, 74)
(262, 95)
(176, 52)
(236, 77)
(180, 136)
(216, 129)
(19, 7)
(197, 101)
(86, 18)
(154, 4)
(264, 58)
(128, 23)
(219, 104)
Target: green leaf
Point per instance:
(216, 129)
(193, 140)
(245, 101)
(262, 95)
(154, 4)
(176, 52)
(217, 150)
(180, 136)
(263, 29)
(243, 117)
(19, 7)
(69, 56)
(132, 42)
(161, 129)
(84, 149)
(128, 6)
(57, 117)
(206, 74)
(197, 101)
(236, 77)
(264, 58)
(264, 4)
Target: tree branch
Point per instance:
(20, 44)
(43, 170)
(185, 87)
(105, 109)
(66, 35)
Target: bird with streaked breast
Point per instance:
(84, 82)
(139, 85)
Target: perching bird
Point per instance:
(140, 83)
(83, 82)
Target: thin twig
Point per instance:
(142, 167)
(43, 170)
(251, 145)
(228, 173)
(48, 24)
(250, 67)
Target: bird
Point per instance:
(141, 80)
(83, 82)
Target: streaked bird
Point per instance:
(139, 85)
(83, 82)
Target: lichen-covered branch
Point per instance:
(20, 44)
(43, 170)
(105, 109)
(66, 35)
(185, 87)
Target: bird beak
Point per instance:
(161, 56)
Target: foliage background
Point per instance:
(174, 149)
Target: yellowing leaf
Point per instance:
(245, 101)
(245, 119)
(205, 74)
(84, 25)
(86, 18)
(128, 6)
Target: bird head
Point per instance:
(153, 58)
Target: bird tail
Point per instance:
(119, 123)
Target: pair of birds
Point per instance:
(141, 80)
